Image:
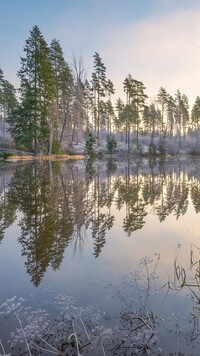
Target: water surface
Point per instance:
(71, 229)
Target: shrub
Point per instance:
(5, 155)
(56, 147)
(161, 147)
(89, 144)
(152, 149)
(111, 144)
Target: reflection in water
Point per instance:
(7, 209)
(58, 202)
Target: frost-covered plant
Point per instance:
(84, 330)
(75, 328)
(3, 350)
(138, 334)
(78, 330)
(31, 324)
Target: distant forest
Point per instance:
(56, 105)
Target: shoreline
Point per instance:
(15, 158)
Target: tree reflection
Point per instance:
(135, 206)
(52, 214)
(195, 195)
(7, 208)
(59, 204)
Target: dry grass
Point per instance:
(52, 157)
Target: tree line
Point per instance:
(55, 103)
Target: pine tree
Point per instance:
(37, 93)
(139, 99)
(128, 112)
(181, 114)
(151, 119)
(99, 89)
(135, 98)
(118, 119)
(63, 86)
(170, 109)
(195, 115)
(162, 100)
(88, 101)
(109, 108)
(8, 101)
(1, 90)
(1, 95)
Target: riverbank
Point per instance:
(53, 157)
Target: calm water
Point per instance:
(65, 229)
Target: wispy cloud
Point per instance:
(162, 51)
(156, 41)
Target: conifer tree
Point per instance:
(135, 98)
(128, 112)
(1, 89)
(34, 122)
(99, 87)
(139, 98)
(162, 100)
(63, 86)
(109, 107)
(151, 120)
(181, 114)
(8, 101)
(170, 110)
(195, 115)
(118, 119)
(1, 95)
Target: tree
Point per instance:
(171, 110)
(181, 114)
(89, 144)
(139, 101)
(78, 106)
(20, 126)
(109, 108)
(195, 115)
(63, 86)
(99, 86)
(128, 113)
(8, 101)
(1, 92)
(162, 100)
(111, 144)
(37, 94)
(89, 101)
(135, 98)
(151, 120)
(118, 119)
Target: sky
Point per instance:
(156, 41)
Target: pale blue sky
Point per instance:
(157, 41)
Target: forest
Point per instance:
(57, 108)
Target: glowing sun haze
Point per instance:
(156, 41)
